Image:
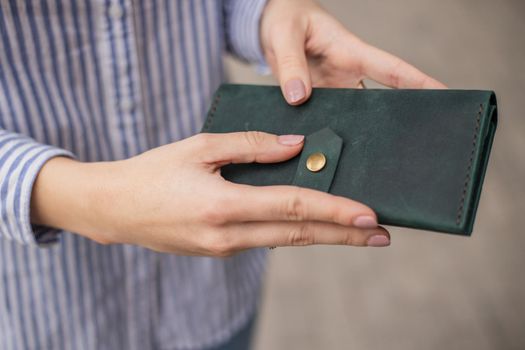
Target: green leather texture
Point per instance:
(417, 157)
(329, 144)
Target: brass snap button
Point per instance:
(315, 162)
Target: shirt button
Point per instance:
(116, 11)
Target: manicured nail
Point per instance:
(378, 241)
(294, 90)
(365, 221)
(290, 140)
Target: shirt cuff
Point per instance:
(21, 159)
(242, 22)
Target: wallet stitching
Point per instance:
(213, 109)
(469, 168)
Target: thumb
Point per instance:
(249, 147)
(292, 67)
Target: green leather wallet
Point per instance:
(417, 157)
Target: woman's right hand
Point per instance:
(173, 199)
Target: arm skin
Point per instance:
(173, 199)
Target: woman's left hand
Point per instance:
(306, 46)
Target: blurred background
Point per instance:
(428, 290)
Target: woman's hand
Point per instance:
(173, 199)
(306, 46)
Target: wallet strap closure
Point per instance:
(318, 160)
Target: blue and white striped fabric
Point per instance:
(105, 80)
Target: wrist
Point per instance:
(72, 196)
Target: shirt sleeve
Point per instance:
(242, 24)
(21, 158)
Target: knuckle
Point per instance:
(423, 81)
(394, 76)
(254, 138)
(301, 236)
(355, 238)
(289, 61)
(202, 140)
(295, 209)
(338, 215)
(214, 214)
(348, 239)
(220, 245)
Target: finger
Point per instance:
(392, 71)
(291, 64)
(290, 203)
(270, 234)
(248, 147)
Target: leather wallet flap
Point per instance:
(318, 160)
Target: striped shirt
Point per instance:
(106, 80)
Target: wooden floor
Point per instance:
(427, 291)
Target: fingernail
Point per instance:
(290, 140)
(378, 241)
(365, 221)
(294, 90)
